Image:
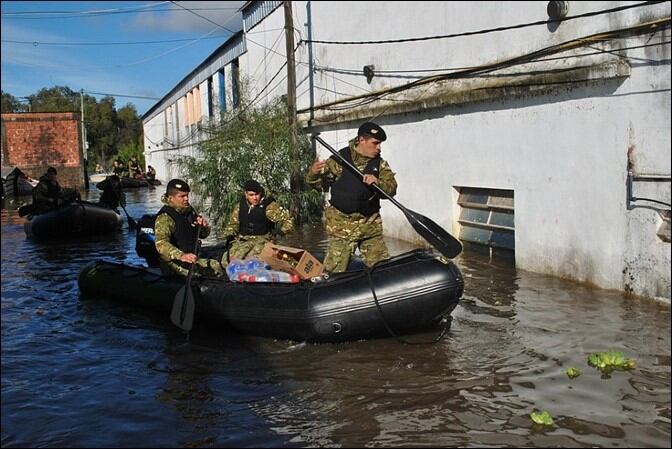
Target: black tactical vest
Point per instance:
(349, 194)
(185, 234)
(254, 222)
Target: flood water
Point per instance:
(82, 372)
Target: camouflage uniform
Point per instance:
(164, 228)
(251, 245)
(347, 232)
(46, 195)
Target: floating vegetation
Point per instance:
(543, 418)
(610, 360)
(573, 372)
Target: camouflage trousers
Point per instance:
(339, 251)
(202, 268)
(246, 246)
(347, 232)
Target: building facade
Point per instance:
(542, 130)
(34, 141)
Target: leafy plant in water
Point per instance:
(608, 361)
(543, 418)
(251, 142)
(573, 372)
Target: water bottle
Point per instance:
(255, 264)
(269, 276)
(234, 268)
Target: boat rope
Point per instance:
(445, 321)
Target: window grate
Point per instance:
(487, 217)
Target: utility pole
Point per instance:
(295, 176)
(84, 160)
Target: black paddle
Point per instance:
(438, 237)
(182, 314)
(132, 224)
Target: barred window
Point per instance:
(487, 217)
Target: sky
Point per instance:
(103, 47)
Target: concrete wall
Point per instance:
(556, 132)
(35, 141)
(561, 130)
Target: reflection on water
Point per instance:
(78, 372)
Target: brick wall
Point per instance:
(35, 141)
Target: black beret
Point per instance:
(52, 170)
(253, 186)
(372, 130)
(177, 184)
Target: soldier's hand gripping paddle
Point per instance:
(435, 235)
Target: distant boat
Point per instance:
(17, 183)
(134, 182)
(97, 177)
(72, 220)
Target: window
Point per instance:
(235, 85)
(222, 90)
(487, 217)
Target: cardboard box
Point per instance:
(302, 262)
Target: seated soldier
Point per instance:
(48, 193)
(177, 229)
(252, 221)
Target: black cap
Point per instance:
(253, 186)
(370, 129)
(52, 170)
(177, 184)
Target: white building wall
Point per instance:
(265, 56)
(559, 138)
(562, 151)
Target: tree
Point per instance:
(12, 104)
(55, 99)
(249, 143)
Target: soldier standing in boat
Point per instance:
(176, 229)
(353, 216)
(113, 194)
(253, 221)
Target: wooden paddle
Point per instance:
(438, 237)
(182, 314)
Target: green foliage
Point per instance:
(573, 372)
(12, 104)
(132, 149)
(610, 360)
(542, 418)
(250, 143)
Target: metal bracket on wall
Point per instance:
(630, 199)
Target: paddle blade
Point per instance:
(438, 237)
(182, 314)
(26, 209)
(131, 223)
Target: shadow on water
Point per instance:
(92, 373)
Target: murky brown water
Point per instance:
(78, 373)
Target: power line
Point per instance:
(121, 95)
(37, 43)
(55, 14)
(485, 31)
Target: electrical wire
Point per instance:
(485, 31)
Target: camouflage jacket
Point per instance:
(274, 212)
(354, 226)
(164, 227)
(46, 195)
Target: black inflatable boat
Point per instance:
(74, 219)
(412, 292)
